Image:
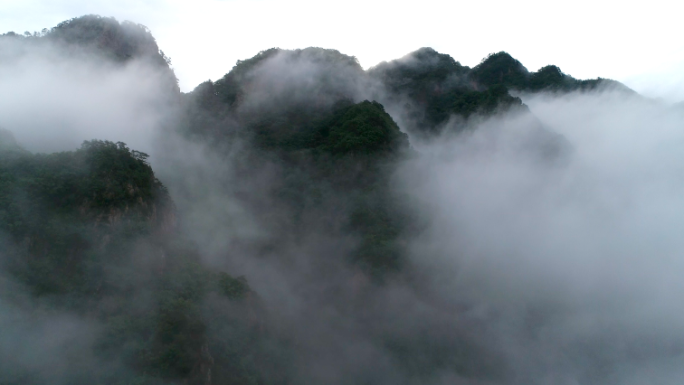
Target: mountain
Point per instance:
(91, 237)
(93, 232)
(283, 170)
(309, 127)
(439, 87)
(92, 37)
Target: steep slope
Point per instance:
(92, 233)
(49, 199)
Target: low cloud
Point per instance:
(573, 269)
(53, 99)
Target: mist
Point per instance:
(566, 269)
(53, 98)
(572, 268)
(523, 262)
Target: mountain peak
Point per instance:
(422, 62)
(500, 69)
(121, 41)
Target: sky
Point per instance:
(638, 44)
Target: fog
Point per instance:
(53, 98)
(573, 268)
(559, 271)
(530, 269)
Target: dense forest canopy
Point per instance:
(273, 242)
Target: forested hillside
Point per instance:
(438, 87)
(272, 243)
(93, 232)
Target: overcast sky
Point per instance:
(637, 43)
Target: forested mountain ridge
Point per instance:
(304, 143)
(441, 87)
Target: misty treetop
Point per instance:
(48, 200)
(500, 69)
(441, 87)
(363, 128)
(120, 41)
(303, 85)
